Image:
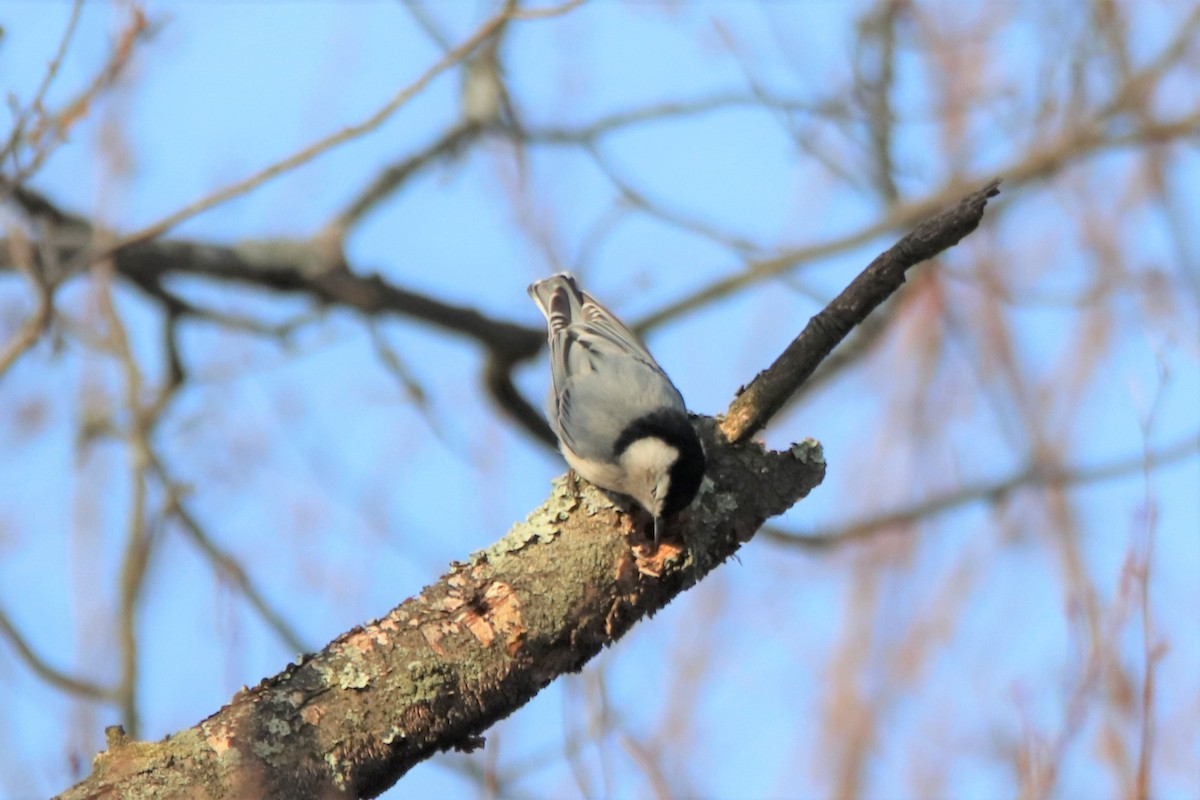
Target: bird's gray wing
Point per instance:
(600, 386)
(602, 322)
(602, 373)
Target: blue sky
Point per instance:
(343, 497)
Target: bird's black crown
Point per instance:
(674, 428)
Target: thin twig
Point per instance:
(645, 762)
(228, 565)
(452, 57)
(58, 124)
(875, 77)
(1038, 164)
(392, 178)
(900, 216)
(548, 12)
(51, 675)
(425, 21)
(39, 97)
(637, 199)
(136, 558)
(589, 133)
(1151, 651)
(992, 491)
(319, 147)
(32, 328)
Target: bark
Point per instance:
(470, 649)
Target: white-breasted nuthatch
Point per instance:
(621, 423)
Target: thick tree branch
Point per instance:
(302, 267)
(758, 402)
(442, 667)
(305, 268)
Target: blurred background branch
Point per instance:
(265, 367)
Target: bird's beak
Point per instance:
(657, 529)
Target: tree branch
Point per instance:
(284, 265)
(224, 562)
(757, 403)
(55, 677)
(324, 144)
(442, 667)
(453, 142)
(37, 322)
(989, 491)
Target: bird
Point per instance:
(621, 424)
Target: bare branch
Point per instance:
(754, 406)
(425, 21)
(638, 200)
(392, 178)
(990, 492)
(547, 12)
(55, 677)
(498, 379)
(303, 267)
(52, 129)
(542, 601)
(323, 145)
(453, 56)
(439, 669)
(227, 564)
(1039, 163)
(290, 266)
(590, 132)
(875, 75)
(39, 96)
(136, 556)
(22, 256)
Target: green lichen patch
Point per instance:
(429, 680)
(808, 451)
(541, 526)
(346, 669)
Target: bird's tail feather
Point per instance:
(559, 299)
